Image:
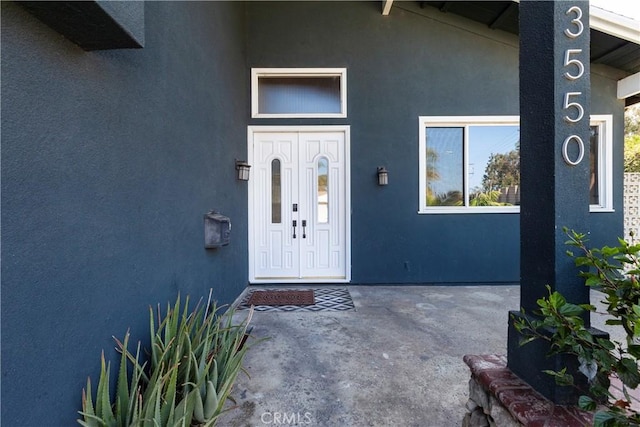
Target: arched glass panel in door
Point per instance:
(276, 192)
(323, 190)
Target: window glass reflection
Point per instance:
(594, 178)
(494, 165)
(298, 95)
(276, 193)
(323, 191)
(444, 166)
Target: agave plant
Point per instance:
(194, 360)
(208, 349)
(126, 410)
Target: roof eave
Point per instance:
(614, 24)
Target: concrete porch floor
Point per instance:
(396, 360)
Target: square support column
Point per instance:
(554, 167)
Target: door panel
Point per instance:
(276, 252)
(312, 190)
(322, 250)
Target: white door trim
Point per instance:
(346, 129)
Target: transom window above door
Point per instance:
(299, 92)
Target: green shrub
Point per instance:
(632, 153)
(194, 360)
(615, 272)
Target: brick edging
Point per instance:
(524, 404)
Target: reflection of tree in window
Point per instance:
(501, 176)
(484, 159)
(323, 190)
(444, 170)
(496, 151)
(503, 170)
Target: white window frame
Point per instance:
(465, 122)
(605, 164)
(256, 73)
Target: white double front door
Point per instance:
(299, 204)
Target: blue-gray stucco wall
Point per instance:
(109, 161)
(413, 63)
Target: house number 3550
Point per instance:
(574, 69)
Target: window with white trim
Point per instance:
(601, 181)
(472, 164)
(298, 92)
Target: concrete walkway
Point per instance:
(396, 360)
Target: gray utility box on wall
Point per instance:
(217, 230)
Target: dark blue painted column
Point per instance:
(554, 159)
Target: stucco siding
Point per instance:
(110, 158)
(412, 63)
(109, 161)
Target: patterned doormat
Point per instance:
(282, 297)
(326, 299)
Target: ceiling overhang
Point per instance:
(615, 39)
(613, 24)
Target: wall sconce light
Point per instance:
(383, 176)
(243, 170)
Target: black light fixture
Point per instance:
(383, 176)
(243, 170)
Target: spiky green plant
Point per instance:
(126, 410)
(194, 360)
(208, 349)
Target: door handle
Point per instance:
(295, 224)
(304, 228)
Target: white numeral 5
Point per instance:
(568, 61)
(568, 104)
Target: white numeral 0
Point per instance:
(568, 61)
(578, 23)
(577, 105)
(565, 150)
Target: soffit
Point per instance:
(607, 49)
